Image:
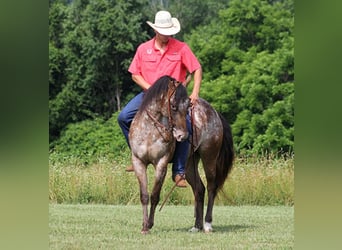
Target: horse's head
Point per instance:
(166, 103)
(178, 104)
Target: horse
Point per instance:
(159, 122)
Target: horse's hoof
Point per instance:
(194, 230)
(144, 232)
(207, 227)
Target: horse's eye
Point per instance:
(173, 107)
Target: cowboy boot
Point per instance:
(180, 181)
(129, 168)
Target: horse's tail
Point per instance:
(226, 155)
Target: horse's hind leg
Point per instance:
(193, 178)
(212, 191)
(155, 195)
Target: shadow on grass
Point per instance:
(231, 228)
(222, 229)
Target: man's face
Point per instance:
(162, 38)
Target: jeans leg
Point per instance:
(127, 114)
(181, 153)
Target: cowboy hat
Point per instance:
(164, 24)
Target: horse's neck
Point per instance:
(156, 116)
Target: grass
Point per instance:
(118, 227)
(253, 181)
(261, 181)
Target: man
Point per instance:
(163, 55)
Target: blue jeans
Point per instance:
(125, 119)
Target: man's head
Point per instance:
(164, 24)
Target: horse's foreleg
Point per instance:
(193, 178)
(140, 172)
(155, 195)
(199, 203)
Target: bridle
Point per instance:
(170, 125)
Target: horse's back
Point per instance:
(207, 125)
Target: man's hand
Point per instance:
(193, 98)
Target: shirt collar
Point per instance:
(167, 46)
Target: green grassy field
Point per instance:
(90, 226)
(253, 181)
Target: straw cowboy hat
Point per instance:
(164, 24)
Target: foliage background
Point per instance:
(25, 129)
(245, 47)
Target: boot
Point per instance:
(180, 181)
(130, 169)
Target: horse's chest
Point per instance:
(151, 153)
(150, 145)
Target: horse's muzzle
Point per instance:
(180, 135)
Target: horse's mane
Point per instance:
(159, 88)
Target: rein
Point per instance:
(158, 123)
(194, 135)
(170, 123)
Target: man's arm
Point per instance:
(197, 85)
(138, 79)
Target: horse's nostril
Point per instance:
(182, 137)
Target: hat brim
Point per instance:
(174, 29)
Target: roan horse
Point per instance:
(160, 121)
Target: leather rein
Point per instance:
(157, 123)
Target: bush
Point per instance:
(89, 141)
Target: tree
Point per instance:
(247, 58)
(190, 13)
(246, 52)
(98, 41)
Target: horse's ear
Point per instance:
(172, 84)
(177, 83)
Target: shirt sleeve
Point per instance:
(135, 66)
(189, 59)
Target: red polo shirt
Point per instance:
(175, 62)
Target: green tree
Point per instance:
(248, 60)
(98, 41)
(190, 13)
(57, 61)
(265, 119)
(57, 75)
(246, 52)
